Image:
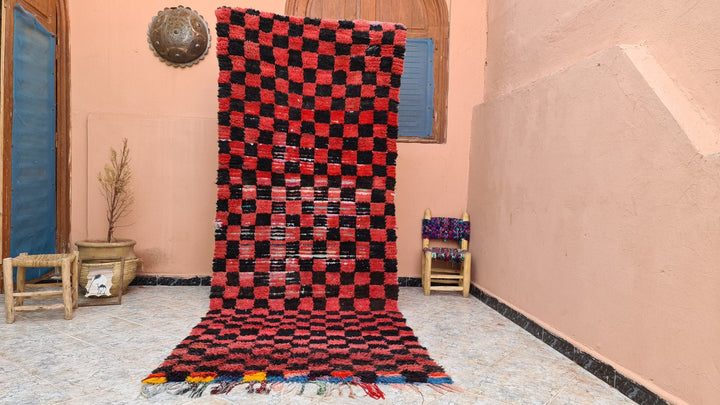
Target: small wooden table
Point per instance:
(68, 263)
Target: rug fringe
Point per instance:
(322, 387)
(372, 390)
(198, 389)
(412, 387)
(180, 388)
(224, 387)
(445, 388)
(452, 388)
(318, 388)
(350, 391)
(150, 390)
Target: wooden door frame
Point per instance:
(62, 134)
(62, 126)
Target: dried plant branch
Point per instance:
(115, 187)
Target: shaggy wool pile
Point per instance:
(304, 286)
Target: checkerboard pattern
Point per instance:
(308, 123)
(301, 346)
(305, 267)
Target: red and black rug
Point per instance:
(304, 282)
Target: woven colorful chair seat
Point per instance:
(447, 254)
(446, 228)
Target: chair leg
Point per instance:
(20, 283)
(466, 275)
(427, 262)
(422, 268)
(75, 280)
(8, 284)
(67, 288)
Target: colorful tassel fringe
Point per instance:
(197, 384)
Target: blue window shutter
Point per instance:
(32, 216)
(415, 112)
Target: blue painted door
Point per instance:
(32, 212)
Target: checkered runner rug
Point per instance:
(304, 286)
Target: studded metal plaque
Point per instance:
(179, 36)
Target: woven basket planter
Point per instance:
(101, 250)
(98, 253)
(131, 266)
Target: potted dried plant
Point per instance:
(118, 195)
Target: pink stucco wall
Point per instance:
(120, 89)
(528, 40)
(594, 179)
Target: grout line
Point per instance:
(560, 391)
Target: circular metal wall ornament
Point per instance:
(179, 36)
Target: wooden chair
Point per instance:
(454, 273)
(68, 263)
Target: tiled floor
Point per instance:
(101, 355)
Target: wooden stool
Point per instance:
(68, 263)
